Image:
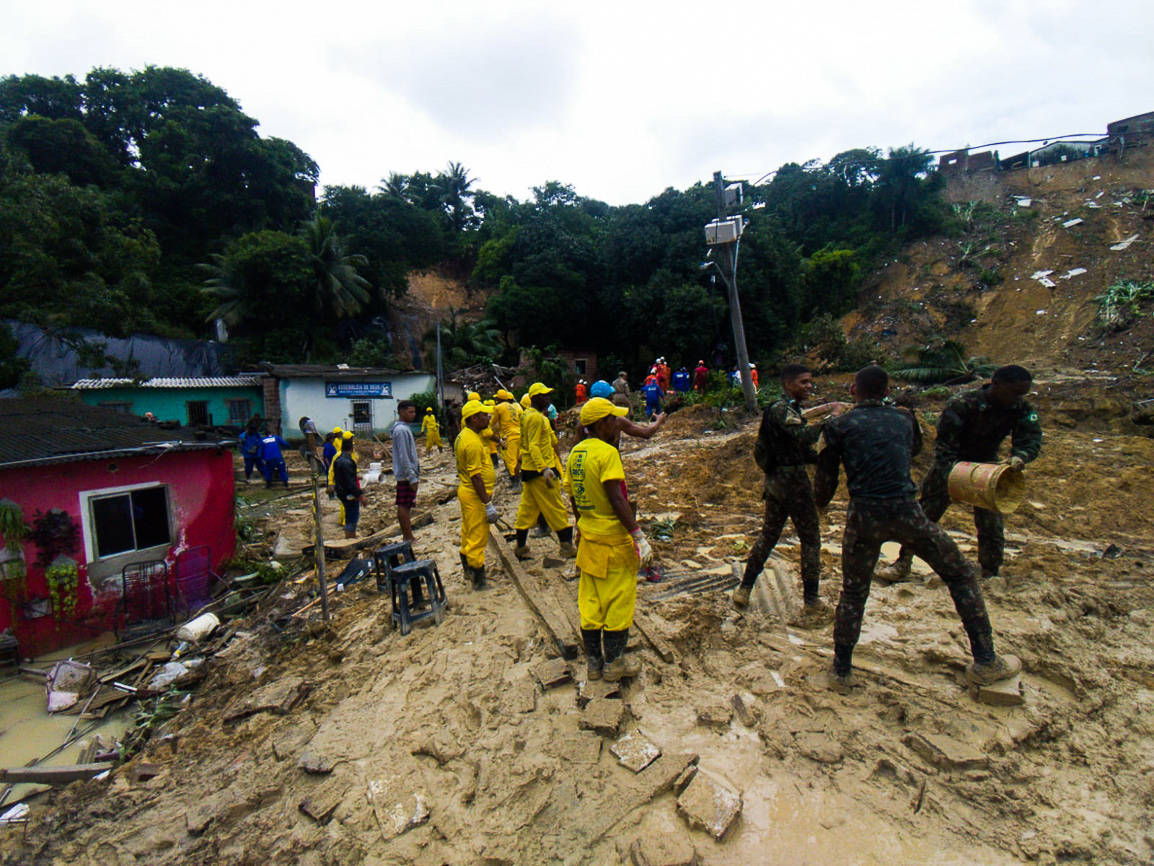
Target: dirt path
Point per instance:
(451, 721)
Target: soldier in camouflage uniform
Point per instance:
(876, 443)
(784, 446)
(972, 427)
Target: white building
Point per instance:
(361, 399)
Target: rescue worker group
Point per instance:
(871, 438)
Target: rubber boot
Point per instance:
(479, 578)
(594, 659)
(617, 666)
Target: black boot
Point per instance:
(617, 665)
(593, 656)
(479, 578)
(466, 569)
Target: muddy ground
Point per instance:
(443, 747)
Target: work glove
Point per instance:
(1016, 463)
(641, 546)
(549, 474)
(491, 512)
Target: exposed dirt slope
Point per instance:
(980, 286)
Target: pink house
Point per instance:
(113, 501)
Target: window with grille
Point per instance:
(198, 413)
(239, 411)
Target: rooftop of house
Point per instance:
(241, 381)
(46, 430)
(334, 371)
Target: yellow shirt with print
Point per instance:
(591, 464)
(473, 459)
(538, 442)
(506, 420)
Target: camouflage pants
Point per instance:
(935, 500)
(788, 494)
(867, 526)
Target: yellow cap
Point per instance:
(597, 408)
(473, 407)
(348, 434)
(539, 388)
(473, 396)
(337, 431)
(504, 395)
(525, 401)
(429, 410)
(489, 404)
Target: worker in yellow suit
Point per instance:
(475, 481)
(612, 546)
(507, 420)
(491, 435)
(540, 479)
(339, 442)
(432, 431)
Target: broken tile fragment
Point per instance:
(716, 715)
(603, 716)
(1006, 693)
(591, 690)
(552, 673)
(709, 805)
(635, 751)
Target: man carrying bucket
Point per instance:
(876, 442)
(972, 428)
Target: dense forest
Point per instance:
(146, 201)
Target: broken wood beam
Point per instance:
(53, 775)
(554, 620)
(653, 637)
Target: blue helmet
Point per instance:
(601, 388)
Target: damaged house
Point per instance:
(110, 502)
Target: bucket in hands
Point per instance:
(993, 486)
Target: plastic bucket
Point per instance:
(993, 486)
(199, 628)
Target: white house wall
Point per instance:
(307, 397)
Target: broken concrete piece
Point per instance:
(714, 715)
(318, 765)
(603, 716)
(745, 706)
(396, 816)
(577, 747)
(552, 673)
(663, 849)
(589, 691)
(322, 802)
(1121, 245)
(277, 697)
(1006, 693)
(819, 747)
(946, 752)
(635, 752)
(709, 805)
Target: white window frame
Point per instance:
(88, 525)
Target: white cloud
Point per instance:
(620, 99)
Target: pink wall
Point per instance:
(202, 510)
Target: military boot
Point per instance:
(1001, 668)
(740, 596)
(897, 571)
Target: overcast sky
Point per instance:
(620, 99)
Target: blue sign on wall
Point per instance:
(359, 389)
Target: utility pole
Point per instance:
(727, 265)
(309, 429)
(440, 374)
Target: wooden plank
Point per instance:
(650, 633)
(53, 775)
(539, 601)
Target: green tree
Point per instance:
(464, 344)
(339, 292)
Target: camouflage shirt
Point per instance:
(972, 428)
(876, 444)
(785, 438)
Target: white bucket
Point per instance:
(199, 628)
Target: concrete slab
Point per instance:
(945, 752)
(635, 751)
(1007, 693)
(603, 716)
(552, 673)
(710, 805)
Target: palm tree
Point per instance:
(396, 185)
(465, 343)
(339, 289)
(228, 284)
(945, 363)
(457, 196)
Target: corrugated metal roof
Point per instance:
(330, 371)
(50, 430)
(183, 382)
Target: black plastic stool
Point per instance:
(386, 558)
(408, 577)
